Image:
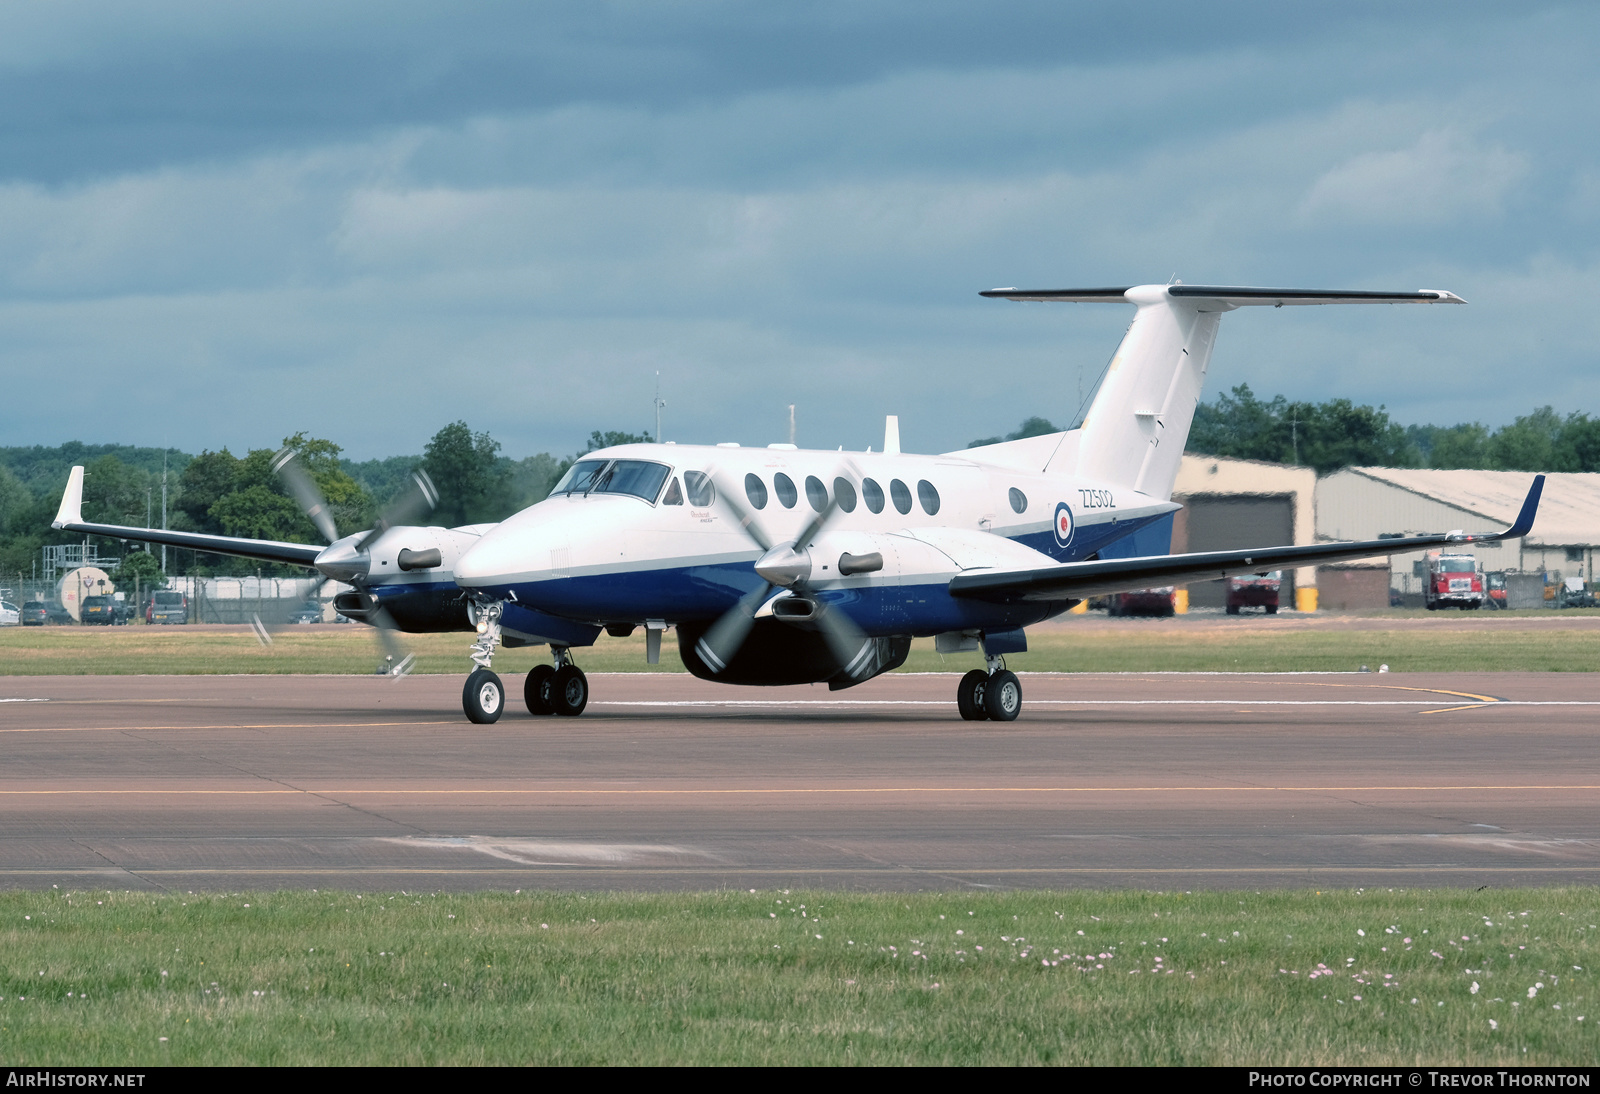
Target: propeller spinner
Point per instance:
(785, 566)
(349, 559)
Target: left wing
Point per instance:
(69, 518)
(1077, 580)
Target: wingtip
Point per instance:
(71, 511)
(1530, 509)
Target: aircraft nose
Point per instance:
(501, 555)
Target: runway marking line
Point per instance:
(737, 791)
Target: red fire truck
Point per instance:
(1453, 581)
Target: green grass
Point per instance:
(1410, 642)
(125, 979)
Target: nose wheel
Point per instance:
(483, 697)
(995, 696)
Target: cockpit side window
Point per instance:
(674, 494)
(702, 494)
(640, 478)
(580, 477)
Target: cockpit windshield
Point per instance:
(640, 478)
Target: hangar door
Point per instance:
(1216, 523)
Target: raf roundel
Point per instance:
(1063, 525)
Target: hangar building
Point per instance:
(1366, 502)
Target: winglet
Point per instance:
(1530, 506)
(1519, 527)
(71, 511)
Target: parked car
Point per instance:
(10, 614)
(1143, 602)
(167, 607)
(1575, 594)
(309, 612)
(35, 613)
(102, 611)
(1252, 591)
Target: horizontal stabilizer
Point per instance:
(1077, 580)
(1234, 296)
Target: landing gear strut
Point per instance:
(561, 688)
(484, 696)
(995, 694)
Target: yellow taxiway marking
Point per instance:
(229, 725)
(746, 791)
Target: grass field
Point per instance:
(773, 977)
(1406, 642)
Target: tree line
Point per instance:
(1335, 434)
(220, 493)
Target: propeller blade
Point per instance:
(851, 648)
(821, 520)
(413, 503)
(722, 641)
(397, 661)
(747, 520)
(304, 489)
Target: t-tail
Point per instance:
(1138, 424)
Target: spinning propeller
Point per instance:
(786, 566)
(350, 560)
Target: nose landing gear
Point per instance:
(561, 688)
(995, 694)
(483, 698)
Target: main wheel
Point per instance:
(969, 695)
(1272, 609)
(483, 697)
(538, 690)
(1003, 696)
(570, 692)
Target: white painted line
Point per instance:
(762, 703)
(24, 700)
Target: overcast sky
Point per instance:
(220, 224)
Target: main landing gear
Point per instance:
(561, 688)
(995, 693)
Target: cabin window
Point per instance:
(756, 491)
(901, 494)
(872, 494)
(816, 493)
(1019, 501)
(702, 494)
(784, 486)
(846, 493)
(928, 496)
(674, 494)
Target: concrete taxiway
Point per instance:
(1152, 781)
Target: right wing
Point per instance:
(70, 518)
(1077, 580)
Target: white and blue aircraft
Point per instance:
(777, 565)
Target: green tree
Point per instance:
(114, 493)
(141, 569)
(1326, 436)
(474, 486)
(532, 478)
(348, 502)
(1578, 448)
(1454, 446)
(1033, 427)
(1527, 444)
(203, 483)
